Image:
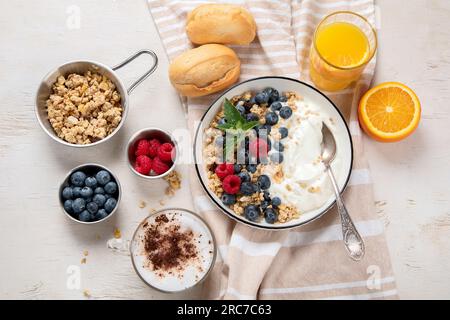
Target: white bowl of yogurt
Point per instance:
(173, 250)
(305, 185)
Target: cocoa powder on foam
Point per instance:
(168, 249)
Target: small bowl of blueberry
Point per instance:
(90, 193)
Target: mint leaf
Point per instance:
(225, 126)
(235, 128)
(249, 125)
(232, 115)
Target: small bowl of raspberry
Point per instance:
(152, 153)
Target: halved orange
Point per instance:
(389, 112)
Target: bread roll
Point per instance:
(204, 70)
(220, 23)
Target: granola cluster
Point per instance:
(174, 182)
(83, 109)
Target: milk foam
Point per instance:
(194, 271)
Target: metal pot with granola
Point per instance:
(261, 156)
(84, 103)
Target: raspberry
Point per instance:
(231, 184)
(224, 169)
(142, 148)
(165, 152)
(143, 165)
(159, 166)
(258, 148)
(153, 147)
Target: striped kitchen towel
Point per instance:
(308, 262)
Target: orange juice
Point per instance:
(339, 53)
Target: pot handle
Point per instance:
(145, 75)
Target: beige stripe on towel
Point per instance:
(308, 262)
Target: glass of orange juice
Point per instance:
(344, 42)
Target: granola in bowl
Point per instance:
(84, 108)
(262, 156)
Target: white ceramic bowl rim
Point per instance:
(240, 218)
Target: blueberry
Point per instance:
(283, 98)
(285, 112)
(110, 204)
(248, 106)
(219, 141)
(107, 196)
(92, 207)
(242, 156)
(222, 121)
(228, 199)
(266, 195)
(252, 101)
(262, 97)
(252, 212)
(263, 160)
(86, 192)
(251, 168)
(99, 199)
(84, 216)
(77, 178)
(99, 190)
(67, 193)
(264, 129)
(271, 118)
(268, 90)
(278, 146)
(247, 188)
(247, 141)
(111, 187)
(68, 206)
(275, 96)
(283, 132)
(251, 117)
(103, 177)
(90, 182)
(277, 157)
(101, 214)
(276, 106)
(241, 109)
(237, 168)
(276, 201)
(76, 192)
(269, 144)
(244, 176)
(264, 204)
(270, 215)
(264, 182)
(78, 205)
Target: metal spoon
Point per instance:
(352, 240)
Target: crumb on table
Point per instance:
(117, 233)
(174, 182)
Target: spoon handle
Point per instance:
(352, 239)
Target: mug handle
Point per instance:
(145, 75)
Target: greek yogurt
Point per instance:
(305, 184)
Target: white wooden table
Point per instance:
(39, 245)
